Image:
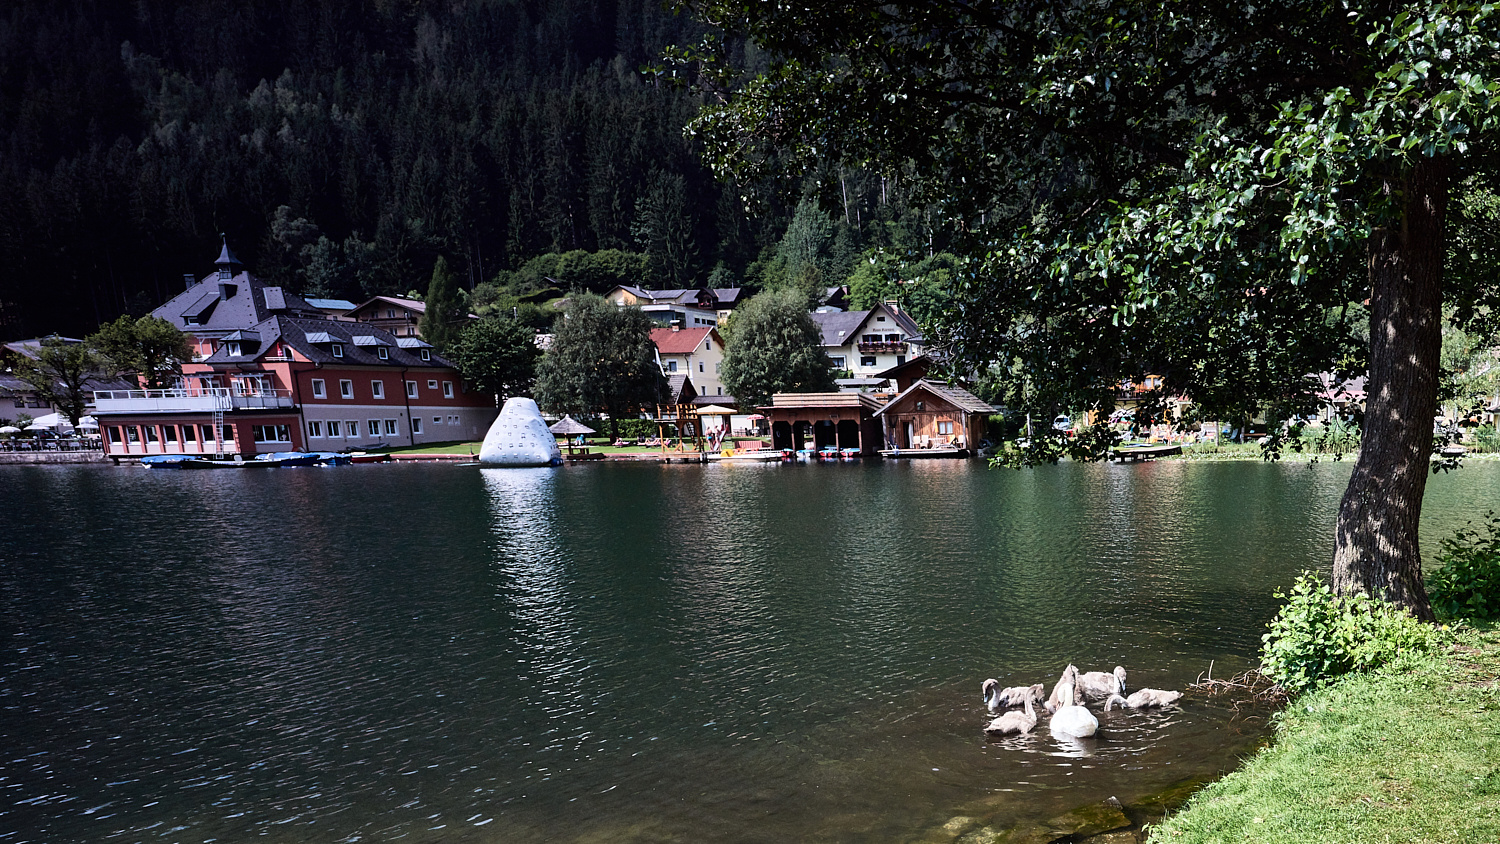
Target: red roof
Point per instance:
(683, 341)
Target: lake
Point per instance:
(624, 652)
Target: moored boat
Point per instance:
(165, 461)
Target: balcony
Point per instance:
(883, 347)
(190, 400)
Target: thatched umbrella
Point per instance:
(570, 427)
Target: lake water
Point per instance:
(622, 653)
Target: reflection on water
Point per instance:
(622, 652)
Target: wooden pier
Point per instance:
(1130, 454)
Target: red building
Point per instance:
(273, 373)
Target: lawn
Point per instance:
(1411, 754)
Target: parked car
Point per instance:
(1062, 422)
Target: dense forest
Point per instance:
(343, 145)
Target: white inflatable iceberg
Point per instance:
(519, 437)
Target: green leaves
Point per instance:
(1466, 581)
(1318, 636)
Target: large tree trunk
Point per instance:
(1376, 548)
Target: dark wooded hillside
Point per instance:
(342, 145)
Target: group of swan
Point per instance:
(1070, 718)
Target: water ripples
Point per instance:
(644, 652)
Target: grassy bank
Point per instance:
(1410, 754)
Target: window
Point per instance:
(336, 349)
(867, 360)
(837, 361)
(945, 427)
(315, 429)
(208, 433)
(377, 389)
(115, 436)
(893, 338)
(431, 384)
(869, 338)
(452, 420)
(333, 428)
(319, 391)
(411, 389)
(705, 345)
(228, 434)
(447, 389)
(169, 435)
(426, 354)
(721, 391)
(671, 366)
(416, 424)
(132, 434)
(150, 433)
(351, 429)
(880, 319)
(374, 427)
(437, 420)
(382, 352)
(189, 434)
(700, 366)
(390, 313)
(346, 389)
(234, 349)
(272, 433)
(390, 427)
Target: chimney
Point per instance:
(188, 280)
(676, 326)
(226, 291)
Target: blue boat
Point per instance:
(277, 459)
(164, 461)
(333, 458)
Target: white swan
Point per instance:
(1097, 685)
(1072, 721)
(1013, 722)
(1069, 679)
(997, 698)
(1142, 698)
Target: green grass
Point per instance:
(1409, 754)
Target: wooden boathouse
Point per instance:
(819, 420)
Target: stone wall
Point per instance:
(10, 458)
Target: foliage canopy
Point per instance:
(1203, 191)
(772, 346)
(601, 358)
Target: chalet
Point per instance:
(930, 415)
(391, 313)
(695, 351)
(686, 308)
(819, 420)
(865, 343)
(272, 373)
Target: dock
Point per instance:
(1131, 454)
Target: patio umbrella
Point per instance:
(49, 422)
(570, 427)
(10, 429)
(89, 423)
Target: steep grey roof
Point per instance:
(839, 327)
(314, 338)
(246, 305)
(851, 323)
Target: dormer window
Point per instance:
(337, 350)
(426, 355)
(234, 349)
(382, 352)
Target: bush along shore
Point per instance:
(1393, 729)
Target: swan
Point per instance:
(1072, 721)
(997, 698)
(1097, 685)
(1069, 679)
(1142, 698)
(1013, 722)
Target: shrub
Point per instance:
(1319, 636)
(1466, 581)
